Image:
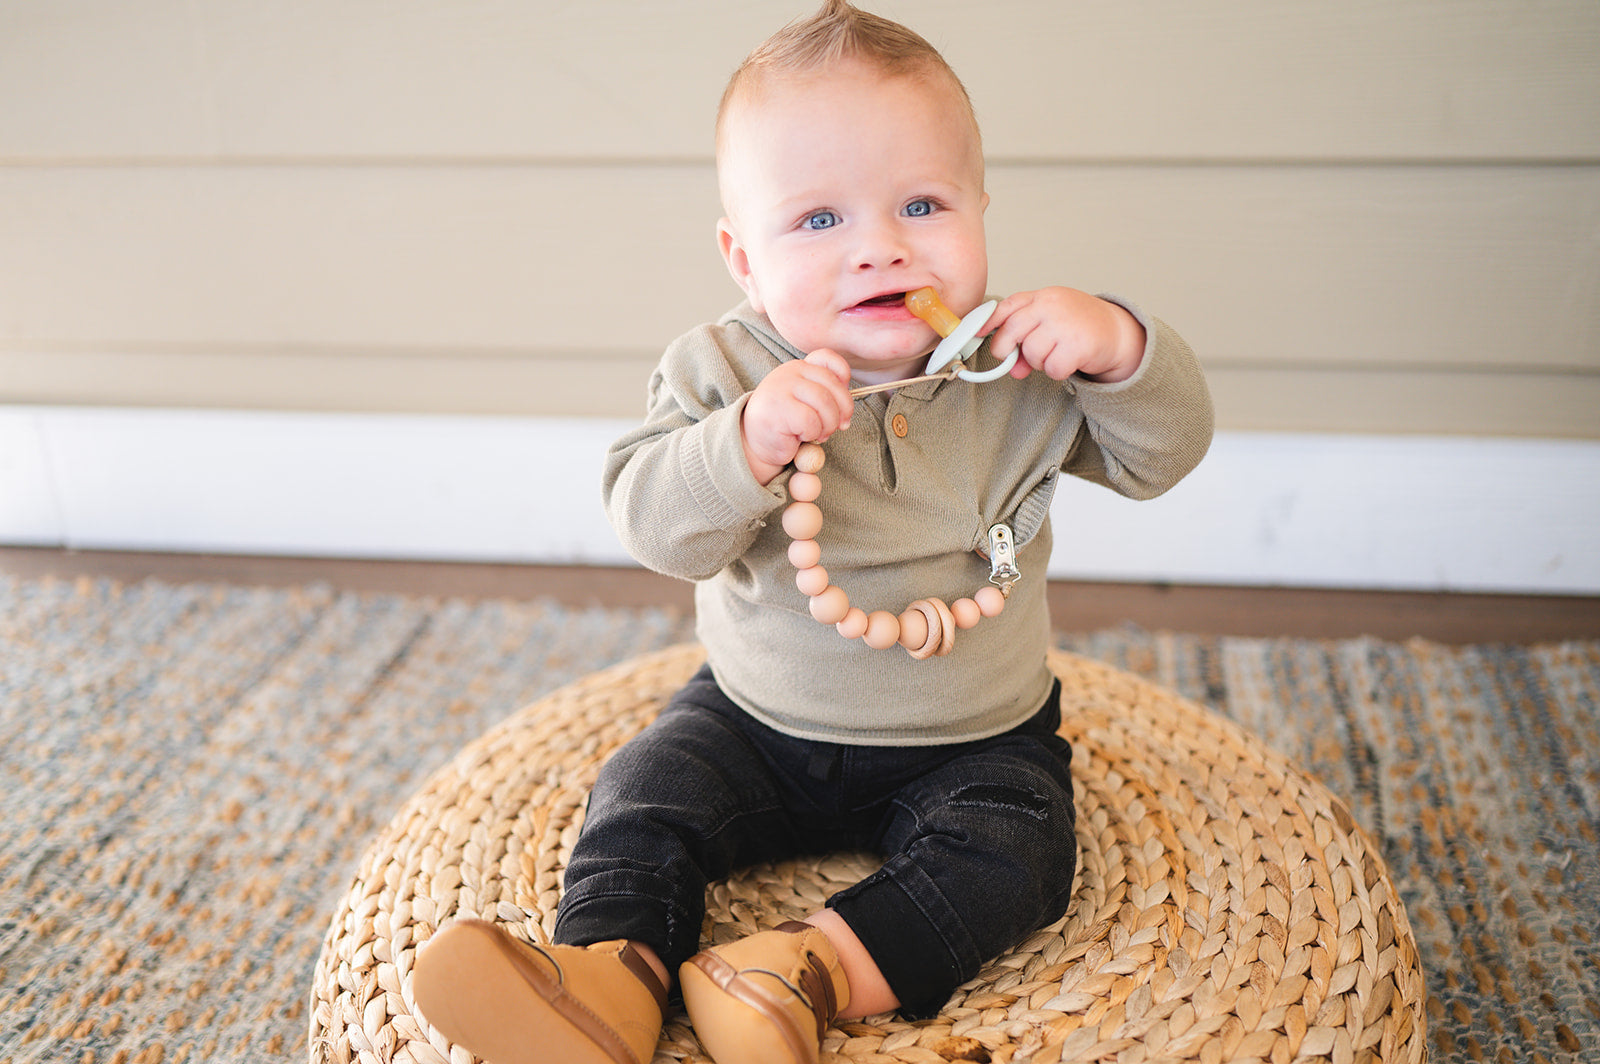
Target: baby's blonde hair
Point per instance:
(837, 32)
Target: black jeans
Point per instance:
(978, 837)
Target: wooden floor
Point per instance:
(1266, 612)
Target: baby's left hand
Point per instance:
(1063, 331)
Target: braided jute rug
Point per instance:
(190, 774)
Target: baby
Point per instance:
(851, 173)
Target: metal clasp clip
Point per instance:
(1003, 571)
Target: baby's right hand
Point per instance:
(799, 402)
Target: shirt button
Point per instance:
(900, 426)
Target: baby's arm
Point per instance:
(678, 488)
(1062, 331)
(798, 402)
(1147, 416)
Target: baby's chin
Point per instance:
(907, 349)
(885, 368)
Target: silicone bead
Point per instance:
(804, 553)
(831, 606)
(809, 458)
(811, 581)
(805, 487)
(802, 520)
(966, 613)
(883, 630)
(990, 601)
(854, 625)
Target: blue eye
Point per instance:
(822, 220)
(919, 208)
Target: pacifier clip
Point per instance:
(927, 627)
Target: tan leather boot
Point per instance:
(514, 1003)
(766, 999)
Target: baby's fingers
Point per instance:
(833, 363)
(1008, 327)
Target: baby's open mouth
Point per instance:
(888, 299)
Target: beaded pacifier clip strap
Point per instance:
(927, 627)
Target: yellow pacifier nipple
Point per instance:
(926, 304)
(960, 334)
(960, 341)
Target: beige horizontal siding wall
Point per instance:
(1367, 216)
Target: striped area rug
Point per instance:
(188, 774)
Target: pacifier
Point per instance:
(960, 335)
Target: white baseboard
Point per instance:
(1389, 512)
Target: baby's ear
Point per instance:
(738, 262)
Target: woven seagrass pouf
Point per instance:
(1228, 908)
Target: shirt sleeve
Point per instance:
(1142, 435)
(678, 490)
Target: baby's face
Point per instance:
(844, 190)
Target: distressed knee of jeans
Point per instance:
(1001, 797)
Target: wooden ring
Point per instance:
(947, 624)
(930, 646)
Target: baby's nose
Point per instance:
(880, 246)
